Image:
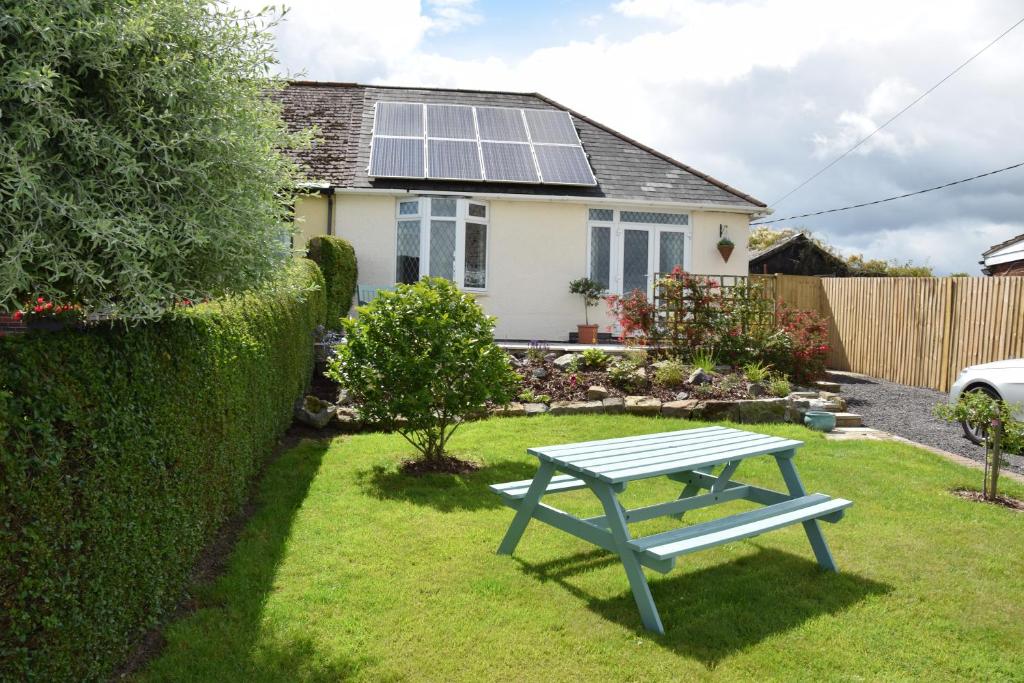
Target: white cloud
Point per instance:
(760, 93)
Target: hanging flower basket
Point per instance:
(725, 247)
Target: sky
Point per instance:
(758, 93)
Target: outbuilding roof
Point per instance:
(625, 169)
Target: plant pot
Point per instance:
(820, 420)
(726, 251)
(587, 334)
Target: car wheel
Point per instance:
(977, 435)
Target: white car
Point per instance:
(1002, 379)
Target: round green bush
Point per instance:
(421, 360)
(337, 260)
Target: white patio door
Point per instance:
(635, 266)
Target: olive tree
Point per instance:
(141, 159)
(420, 360)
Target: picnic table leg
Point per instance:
(616, 520)
(691, 489)
(527, 506)
(811, 527)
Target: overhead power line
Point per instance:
(896, 115)
(890, 199)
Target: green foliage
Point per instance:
(140, 157)
(625, 373)
(122, 450)
(590, 290)
(705, 360)
(527, 396)
(1002, 431)
(594, 359)
(424, 353)
(537, 351)
(756, 372)
(337, 261)
(671, 373)
(779, 387)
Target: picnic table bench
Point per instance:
(688, 457)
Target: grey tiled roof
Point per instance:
(625, 169)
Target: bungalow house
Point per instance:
(1005, 258)
(510, 195)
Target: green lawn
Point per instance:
(353, 571)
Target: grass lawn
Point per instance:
(353, 571)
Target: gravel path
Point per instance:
(907, 412)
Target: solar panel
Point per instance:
(501, 124)
(509, 161)
(453, 160)
(450, 121)
(550, 125)
(564, 165)
(398, 118)
(397, 157)
(459, 142)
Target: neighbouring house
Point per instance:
(797, 255)
(511, 195)
(1005, 258)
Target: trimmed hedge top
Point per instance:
(337, 260)
(121, 453)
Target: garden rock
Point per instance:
(678, 408)
(762, 410)
(343, 398)
(513, 409)
(576, 407)
(549, 357)
(682, 396)
(757, 390)
(563, 362)
(539, 373)
(348, 420)
(698, 376)
(803, 394)
(314, 412)
(719, 410)
(534, 409)
(643, 405)
(597, 393)
(614, 405)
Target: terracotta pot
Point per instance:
(726, 250)
(587, 334)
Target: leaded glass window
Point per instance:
(671, 250)
(601, 254)
(476, 256)
(407, 269)
(442, 249)
(653, 217)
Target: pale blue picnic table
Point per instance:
(689, 457)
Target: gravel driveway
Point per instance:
(907, 412)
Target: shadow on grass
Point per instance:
(712, 613)
(225, 637)
(444, 492)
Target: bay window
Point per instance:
(442, 237)
(628, 248)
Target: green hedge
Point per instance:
(337, 260)
(122, 450)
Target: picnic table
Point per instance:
(688, 457)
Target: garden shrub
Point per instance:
(594, 359)
(337, 261)
(122, 450)
(420, 360)
(141, 159)
(671, 373)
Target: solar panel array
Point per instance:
(492, 144)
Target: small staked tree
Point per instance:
(421, 360)
(995, 419)
(592, 292)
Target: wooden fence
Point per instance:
(917, 331)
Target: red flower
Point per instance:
(18, 315)
(37, 309)
(48, 306)
(40, 300)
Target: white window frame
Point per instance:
(654, 232)
(460, 218)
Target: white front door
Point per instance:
(635, 266)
